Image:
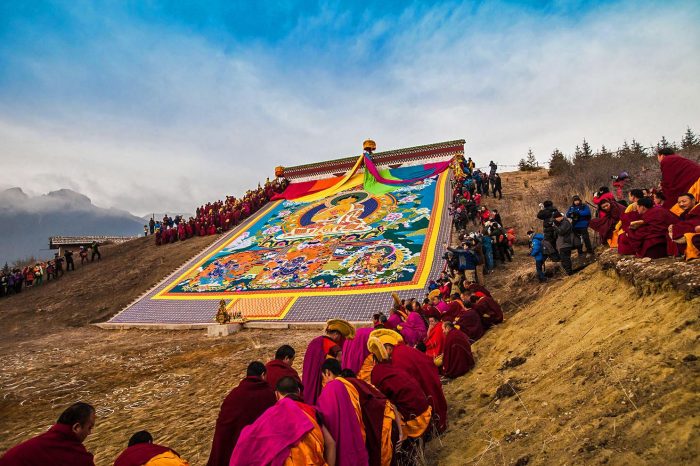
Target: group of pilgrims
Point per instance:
(655, 223)
(366, 396)
(216, 217)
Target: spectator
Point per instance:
(95, 247)
(70, 265)
(537, 253)
(565, 240)
(580, 215)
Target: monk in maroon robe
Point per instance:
(686, 233)
(281, 366)
(470, 323)
(457, 357)
(141, 450)
(475, 288)
(61, 445)
(650, 238)
(241, 407)
(489, 311)
(454, 310)
(605, 225)
(422, 368)
(678, 175)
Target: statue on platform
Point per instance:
(222, 315)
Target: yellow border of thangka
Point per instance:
(438, 206)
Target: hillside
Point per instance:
(608, 371)
(27, 222)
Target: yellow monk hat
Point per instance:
(376, 347)
(341, 326)
(387, 336)
(434, 294)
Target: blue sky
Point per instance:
(154, 106)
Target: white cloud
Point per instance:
(152, 119)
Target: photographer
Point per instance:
(545, 214)
(580, 215)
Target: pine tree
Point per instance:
(604, 153)
(637, 150)
(531, 160)
(664, 144)
(558, 163)
(586, 150)
(624, 151)
(690, 140)
(6, 269)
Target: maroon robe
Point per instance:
(605, 225)
(470, 323)
(56, 447)
(454, 311)
(678, 174)
(623, 244)
(140, 454)
(489, 310)
(689, 220)
(652, 239)
(397, 385)
(422, 369)
(372, 405)
(277, 369)
(457, 357)
(241, 407)
(475, 288)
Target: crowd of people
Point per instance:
(366, 396)
(214, 217)
(14, 280)
(653, 222)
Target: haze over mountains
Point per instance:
(26, 222)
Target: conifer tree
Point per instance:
(637, 150)
(586, 151)
(690, 140)
(558, 163)
(6, 269)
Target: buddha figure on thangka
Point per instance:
(351, 239)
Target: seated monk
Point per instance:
(629, 216)
(475, 288)
(607, 225)
(686, 233)
(281, 366)
(470, 323)
(61, 445)
(355, 349)
(320, 348)
(454, 310)
(396, 317)
(488, 309)
(289, 433)
(141, 451)
(414, 329)
(436, 338)
(678, 175)
(422, 369)
(649, 236)
(400, 388)
(241, 407)
(457, 357)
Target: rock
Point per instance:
(690, 358)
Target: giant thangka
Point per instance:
(338, 251)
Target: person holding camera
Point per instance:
(580, 215)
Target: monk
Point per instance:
(396, 318)
(470, 323)
(414, 329)
(241, 407)
(355, 349)
(678, 175)
(281, 366)
(61, 445)
(686, 233)
(400, 388)
(475, 288)
(289, 433)
(436, 338)
(607, 225)
(141, 451)
(339, 405)
(422, 369)
(457, 357)
(488, 309)
(649, 236)
(454, 310)
(320, 348)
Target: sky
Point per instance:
(155, 106)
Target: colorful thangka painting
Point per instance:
(353, 240)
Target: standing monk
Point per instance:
(241, 407)
(289, 433)
(355, 350)
(61, 445)
(320, 348)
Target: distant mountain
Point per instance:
(27, 222)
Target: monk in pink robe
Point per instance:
(414, 329)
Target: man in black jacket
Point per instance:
(565, 240)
